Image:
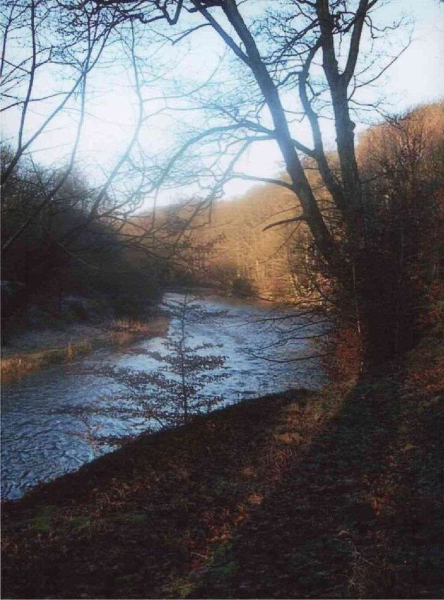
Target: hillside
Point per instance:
(257, 244)
(231, 247)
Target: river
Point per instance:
(43, 439)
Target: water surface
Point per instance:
(42, 438)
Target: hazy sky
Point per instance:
(417, 77)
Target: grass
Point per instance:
(299, 495)
(120, 334)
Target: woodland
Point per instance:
(327, 493)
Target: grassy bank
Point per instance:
(26, 357)
(319, 495)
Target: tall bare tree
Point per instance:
(305, 61)
(312, 48)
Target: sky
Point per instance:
(416, 77)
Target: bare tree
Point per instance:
(41, 41)
(313, 48)
(176, 392)
(27, 52)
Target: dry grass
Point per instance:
(120, 333)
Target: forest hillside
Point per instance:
(258, 245)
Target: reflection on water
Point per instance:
(39, 440)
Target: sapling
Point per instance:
(176, 392)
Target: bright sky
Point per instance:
(417, 77)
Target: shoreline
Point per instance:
(35, 350)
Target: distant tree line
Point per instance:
(256, 244)
(402, 167)
(233, 251)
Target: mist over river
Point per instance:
(40, 435)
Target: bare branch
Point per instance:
(285, 222)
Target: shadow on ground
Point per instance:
(303, 495)
(353, 516)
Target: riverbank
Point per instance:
(330, 494)
(31, 350)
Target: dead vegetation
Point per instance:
(33, 354)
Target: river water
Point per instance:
(43, 437)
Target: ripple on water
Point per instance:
(40, 438)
